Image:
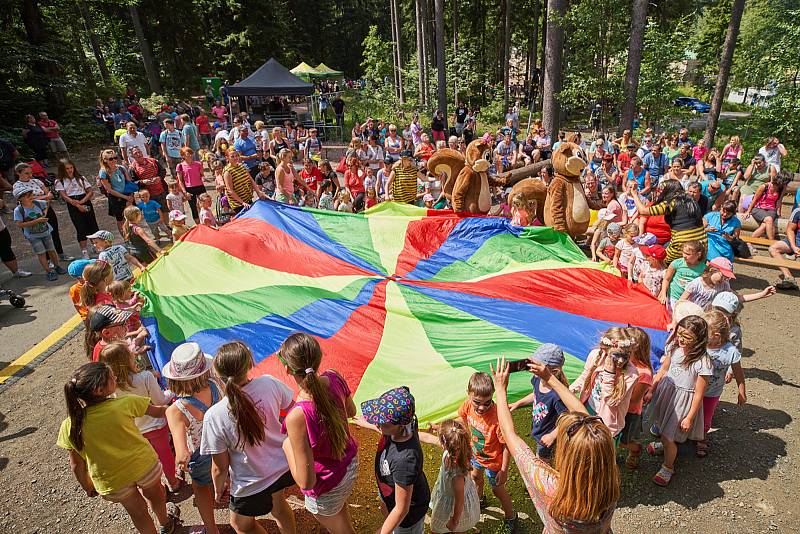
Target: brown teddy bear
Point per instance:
(467, 181)
(566, 207)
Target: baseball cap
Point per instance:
(724, 266)
(20, 188)
(176, 215)
(645, 239)
(656, 251)
(549, 354)
(727, 300)
(396, 407)
(75, 269)
(107, 315)
(105, 235)
(614, 228)
(605, 214)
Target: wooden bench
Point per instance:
(770, 262)
(763, 241)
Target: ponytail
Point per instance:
(95, 274)
(232, 363)
(302, 354)
(80, 392)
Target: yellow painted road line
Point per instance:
(39, 348)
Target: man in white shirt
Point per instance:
(132, 138)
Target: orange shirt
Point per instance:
(75, 295)
(487, 439)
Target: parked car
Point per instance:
(694, 103)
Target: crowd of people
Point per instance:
(669, 223)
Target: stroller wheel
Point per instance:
(17, 301)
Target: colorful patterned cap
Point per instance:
(105, 235)
(396, 407)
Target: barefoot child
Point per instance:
(107, 453)
(724, 357)
(116, 255)
(677, 393)
(490, 454)
(188, 375)
(133, 380)
(455, 506)
(547, 405)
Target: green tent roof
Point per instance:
(328, 72)
(305, 71)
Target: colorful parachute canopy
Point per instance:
(396, 296)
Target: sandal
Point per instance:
(655, 448)
(701, 450)
(632, 461)
(663, 476)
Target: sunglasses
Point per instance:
(114, 158)
(573, 428)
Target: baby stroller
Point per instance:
(13, 298)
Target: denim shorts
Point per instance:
(40, 245)
(200, 468)
(491, 475)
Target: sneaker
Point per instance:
(61, 270)
(52, 276)
(786, 283)
(85, 254)
(511, 524)
(65, 257)
(21, 274)
(654, 430)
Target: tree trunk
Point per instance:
(724, 70)
(551, 117)
(455, 50)
(506, 54)
(426, 48)
(80, 54)
(423, 92)
(395, 68)
(398, 52)
(47, 71)
(144, 46)
(631, 82)
(543, 62)
(440, 59)
(95, 43)
(532, 82)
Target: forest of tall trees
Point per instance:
(626, 55)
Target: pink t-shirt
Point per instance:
(330, 471)
(192, 173)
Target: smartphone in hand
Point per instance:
(517, 366)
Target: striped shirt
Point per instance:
(684, 226)
(404, 187)
(242, 184)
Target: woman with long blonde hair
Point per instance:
(583, 485)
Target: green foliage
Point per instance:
(707, 42)
(377, 61)
(155, 103)
(659, 79)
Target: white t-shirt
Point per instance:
(145, 384)
(222, 134)
(252, 469)
(625, 251)
(128, 142)
(73, 187)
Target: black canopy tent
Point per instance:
(271, 79)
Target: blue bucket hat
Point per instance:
(395, 407)
(75, 269)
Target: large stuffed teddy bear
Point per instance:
(566, 208)
(467, 181)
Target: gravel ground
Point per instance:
(744, 485)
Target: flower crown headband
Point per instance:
(617, 343)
